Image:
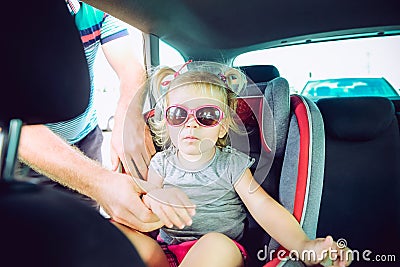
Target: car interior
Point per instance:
(333, 162)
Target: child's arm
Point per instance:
(281, 224)
(171, 205)
(269, 214)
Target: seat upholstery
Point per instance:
(265, 141)
(361, 195)
(289, 160)
(301, 177)
(33, 60)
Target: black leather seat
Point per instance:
(361, 194)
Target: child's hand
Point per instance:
(327, 253)
(171, 205)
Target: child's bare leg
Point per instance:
(148, 249)
(213, 249)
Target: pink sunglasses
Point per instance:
(206, 115)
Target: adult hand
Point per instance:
(131, 143)
(171, 205)
(120, 196)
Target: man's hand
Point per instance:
(120, 197)
(171, 205)
(131, 143)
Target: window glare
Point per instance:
(365, 57)
(169, 56)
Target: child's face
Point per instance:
(192, 139)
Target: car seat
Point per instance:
(361, 195)
(260, 74)
(295, 177)
(296, 150)
(48, 81)
(301, 179)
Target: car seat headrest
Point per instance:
(277, 97)
(356, 118)
(46, 76)
(260, 73)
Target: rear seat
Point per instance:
(361, 194)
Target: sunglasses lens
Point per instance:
(176, 115)
(208, 116)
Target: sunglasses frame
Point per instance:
(190, 111)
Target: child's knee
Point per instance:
(217, 243)
(220, 241)
(151, 253)
(218, 237)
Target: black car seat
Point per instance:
(361, 195)
(47, 80)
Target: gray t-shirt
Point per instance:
(218, 206)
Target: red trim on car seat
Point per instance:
(250, 112)
(300, 111)
(273, 263)
(260, 125)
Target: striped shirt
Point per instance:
(95, 28)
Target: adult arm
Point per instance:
(117, 193)
(131, 142)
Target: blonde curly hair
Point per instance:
(202, 77)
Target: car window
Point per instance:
(106, 82)
(106, 86)
(169, 56)
(361, 58)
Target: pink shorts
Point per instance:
(176, 253)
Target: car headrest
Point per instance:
(45, 74)
(260, 73)
(277, 96)
(356, 118)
